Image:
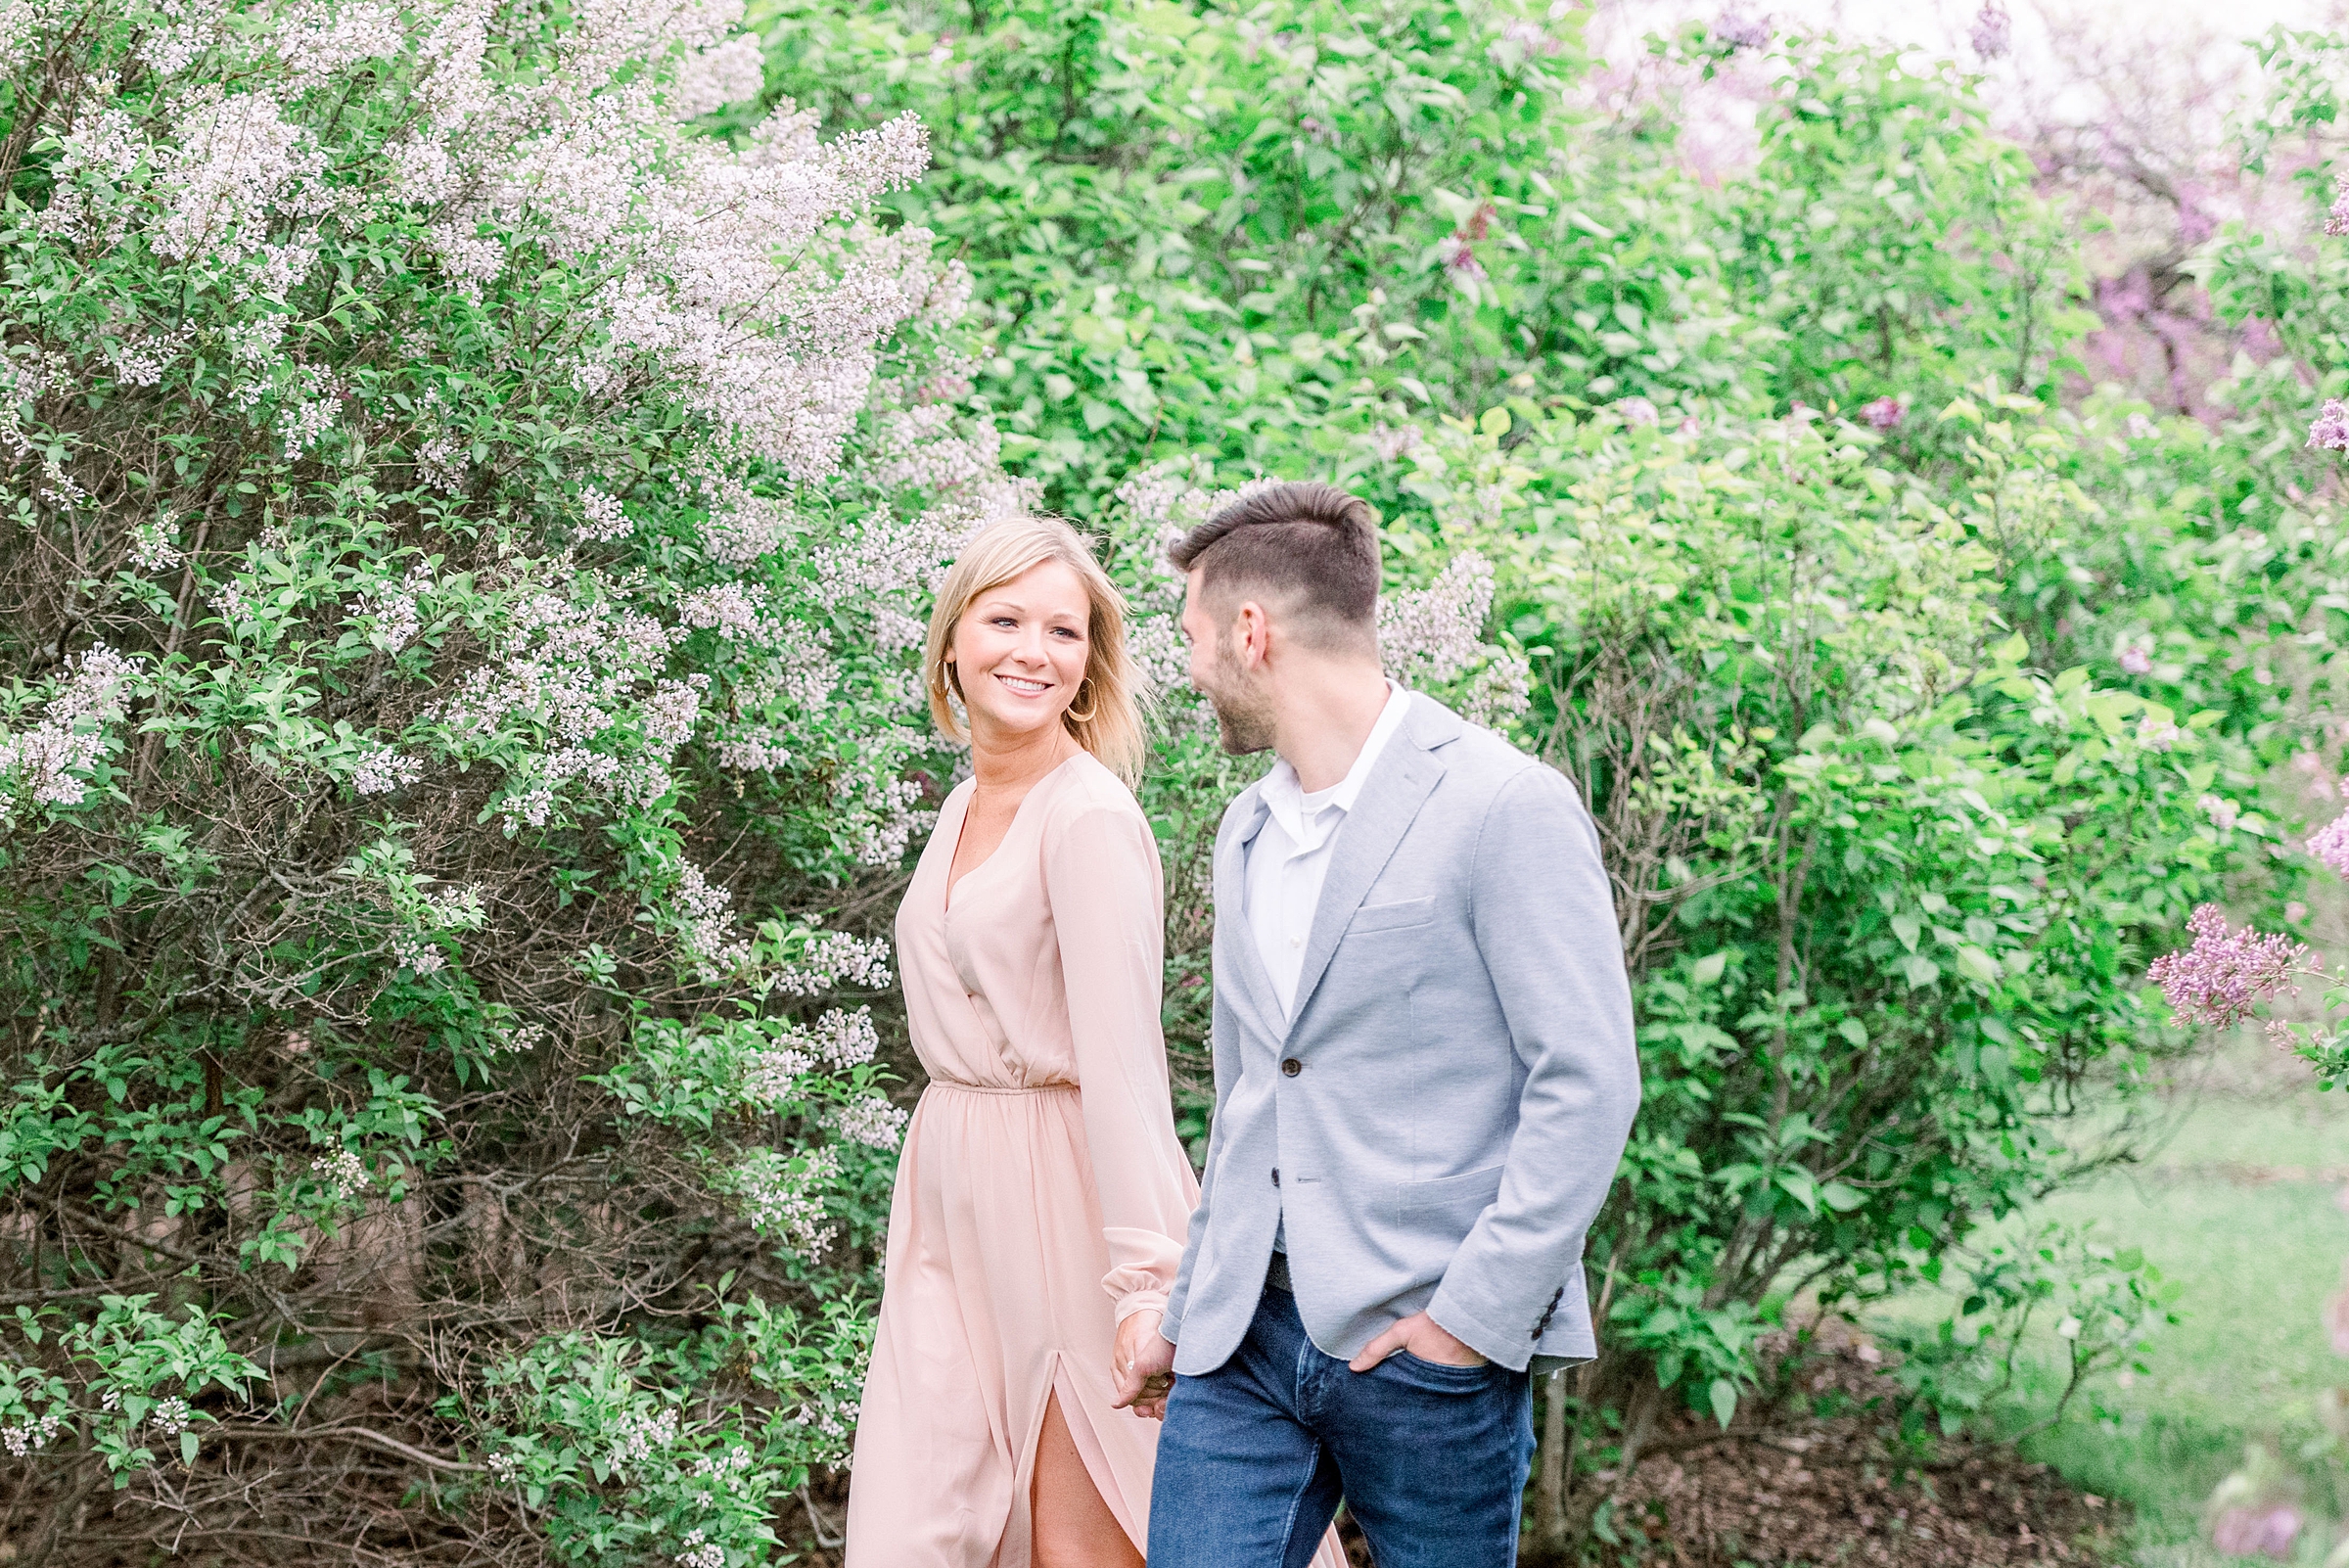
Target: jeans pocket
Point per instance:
(1438, 1377)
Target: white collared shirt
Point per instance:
(1289, 856)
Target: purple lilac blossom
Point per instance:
(2226, 974)
(1886, 413)
(2331, 430)
(1741, 31)
(1459, 257)
(2330, 843)
(2257, 1532)
(1636, 411)
(1993, 34)
(2137, 659)
(2337, 1320)
(2336, 221)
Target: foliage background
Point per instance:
(498, 665)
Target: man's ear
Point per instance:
(1251, 631)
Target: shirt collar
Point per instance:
(1287, 802)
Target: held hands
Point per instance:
(1143, 1365)
(1424, 1338)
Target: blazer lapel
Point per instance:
(1399, 784)
(1239, 970)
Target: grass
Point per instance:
(2239, 1205)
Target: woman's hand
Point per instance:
(1143, 1365)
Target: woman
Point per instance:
(1042, 1196)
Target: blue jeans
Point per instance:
(1431, 1460)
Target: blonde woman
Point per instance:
(1042, 1197)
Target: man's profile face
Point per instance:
(1221, 674)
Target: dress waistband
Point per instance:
(1003, 1089)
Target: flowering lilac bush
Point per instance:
(1887, 886)
(466, 538)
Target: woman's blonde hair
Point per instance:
(1106, 716)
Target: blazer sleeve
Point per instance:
(1545, 924)
(1171, 1325)
(1226, 1066)
(1101, 874)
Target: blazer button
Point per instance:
(1291, 1068)
(1276, 1175)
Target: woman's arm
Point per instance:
(1101, 874)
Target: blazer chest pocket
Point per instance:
(1403, 916)
(1450, 1200)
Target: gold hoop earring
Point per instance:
(946, 667)
(1087, 716)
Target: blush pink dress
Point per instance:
(1041, 1196)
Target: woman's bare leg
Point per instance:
(1073, 1527)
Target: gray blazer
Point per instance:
(1443, 1113)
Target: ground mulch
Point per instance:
(1825, 1478)
(1820, 1479)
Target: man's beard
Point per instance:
(1243, 717)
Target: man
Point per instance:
(1424, 1078)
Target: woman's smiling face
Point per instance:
(1020, 650)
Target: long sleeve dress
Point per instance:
(1041, 1196)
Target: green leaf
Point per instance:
(1842, 1197)
(1724, 1394)
(1708, 969)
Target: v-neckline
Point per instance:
(947, 900)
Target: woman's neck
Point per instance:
(1012, 763)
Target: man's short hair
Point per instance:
(1310, 545)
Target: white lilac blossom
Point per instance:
(711, 78)
(32, 1434)
(730, 609)
(637, 1436)
(153, 546)
(231, 162)
(384, 771)
(418, 954)
(2223, 812)
(171, 1416)
(343, 1171)
(2137, 657)
(304, 424)
(467, 254)
(318, 39)
(1433, 636)
(2157, 734)
(782, 1196)
(45, 765)
(397, 615)
(1637, 412)
(870, 1119)
(602, 517)
(845, 1039)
